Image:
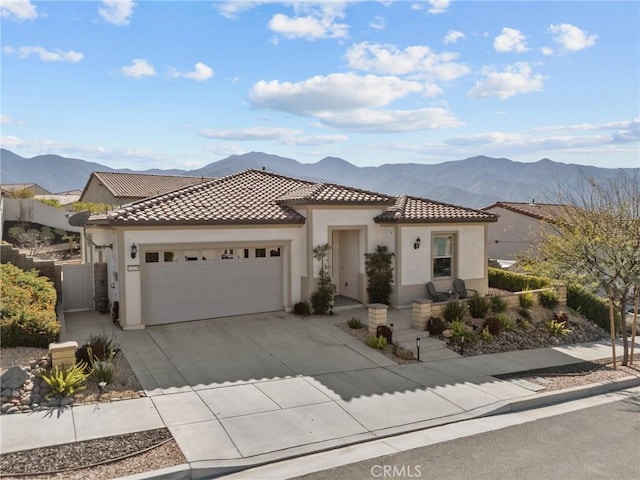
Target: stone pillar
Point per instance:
(561, 290)
(421, 312)
(63, 355)
(377, 316)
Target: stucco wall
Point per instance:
(37, 212)
(512, 234)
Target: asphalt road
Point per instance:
(601, 442)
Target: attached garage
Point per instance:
(183, 285)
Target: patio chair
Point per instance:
(434, 295)
(461, 289)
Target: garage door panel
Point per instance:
(182, 291)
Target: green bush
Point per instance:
(589, 305)
(454, 311)
(99, 347)
(515, 282)
(355, 323)
(548, 299)
(557, 329)
(461, 331)
(478, 305)
(527, 300)
(506, 323)
(498, 304)
(27, 310)
(379, 270)
(65, 381)
(102, 371)
(377, 342)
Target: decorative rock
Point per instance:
(6, 392)
(11, 410)
(25, 400)
(13, 378)
(15, 393)
(66, 401)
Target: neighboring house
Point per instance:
(7, 189)
(243, 244)
(65, 199)
(116, 188)
(517, 227)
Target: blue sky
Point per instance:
(159, 84)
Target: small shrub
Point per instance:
(102, 371)
(302, 308)
(561, 317)
(557, 329)
(524, 324)
(435, 326)
(493, 325)
(515, 282)
(355, 323)
(377, 342)
(454, 311)
(498, 304)
(99, 347)
(462, 332)
(506, 323)
(321, 301)
(486, 334)
(478, 305)
(527, 300)
(404, 354)
(548, 299)
(65, 381)
(524, 313)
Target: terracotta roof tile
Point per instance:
(540, 211)
(329, 193)
(142, 185)
(408, 209)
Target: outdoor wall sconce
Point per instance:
(134, 250)
(416, 244)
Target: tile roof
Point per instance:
(539, 211)
(408, 209)
(259, 197)
(329, 193)
(142, 185)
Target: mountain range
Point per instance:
(472, 182)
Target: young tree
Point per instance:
(379, 270)
(322, 298)
(595, 237)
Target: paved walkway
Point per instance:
(299, 407)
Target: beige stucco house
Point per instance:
(119, 188)
(243, 244)
(517, 227)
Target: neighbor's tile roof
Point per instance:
(142, 185)
(329, 193)
(539, 211)
(408, 209)
(259, 197)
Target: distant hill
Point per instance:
(473, 182)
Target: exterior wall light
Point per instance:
(416, 244)
(134, 250)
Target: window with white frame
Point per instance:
(442, 255)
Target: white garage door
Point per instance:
(183, 285)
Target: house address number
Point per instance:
(133, 268)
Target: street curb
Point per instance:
(192, 472)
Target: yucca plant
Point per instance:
(377, 342)
(557, 329)
(65, 381)
(454, 311)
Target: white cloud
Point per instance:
(390, 121)
(547, 51)
(232, 9)
(18, 10)
(312, 21)
(511, 40)
(139, 68)
(45, 55)
(9, 120)
(515, 79)
(117, 12)
(200, 73)
(285, 136)
(571, 38)
(335, 92)
(453, 36)
(438, 6)
(417, 59)
(378, 23)
(11, 142)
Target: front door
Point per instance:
(346, 257)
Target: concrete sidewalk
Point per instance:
(225, 426)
